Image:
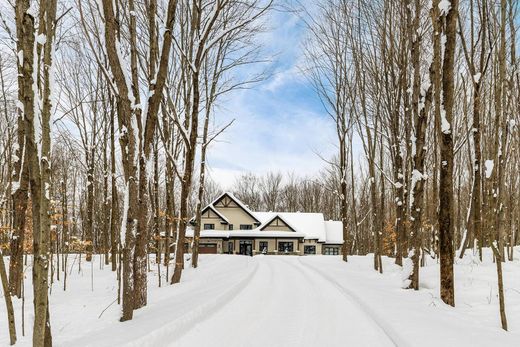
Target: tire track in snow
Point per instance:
(315, 333)
(180, 326)
(307, 330)
(378, 321)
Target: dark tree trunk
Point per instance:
(446, 221)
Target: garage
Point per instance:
(208, 248)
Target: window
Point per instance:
(246, 227)
(309, 249)
(230, 247)
(209, 226)
(264, 248)
(285, 247)
(331, 251)
(230, 226)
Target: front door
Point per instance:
(246, 247)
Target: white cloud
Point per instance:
(290, 140)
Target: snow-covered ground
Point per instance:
(282, 301)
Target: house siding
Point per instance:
(236, 216)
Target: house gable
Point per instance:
(236, 213)
(211, 213)
(211, 216)
(277, 224)
(225, 201)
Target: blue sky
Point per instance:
(280, 124)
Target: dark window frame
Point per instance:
(262, 245)
(331, 251)
(286, 246)
(305, 249)
(246, 227)
(230, 227)
(211, 226)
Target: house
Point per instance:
(230, 227)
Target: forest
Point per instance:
(108, 113)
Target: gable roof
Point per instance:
(266, 224)
(238, 202)
(212, 208)
(310, 224)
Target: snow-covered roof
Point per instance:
(334, 231)
(310, 224)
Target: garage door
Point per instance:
(208, 248)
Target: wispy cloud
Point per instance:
(280, 124)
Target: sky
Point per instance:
(279, 124)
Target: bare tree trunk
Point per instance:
(501, 299)
(113, 186)
(106, 204)
(65, 231)
(186, 183)
(24, 31)
(399, 156)
(446, 221)
(475, 224)
(421, 102)
(89, 223)
(497, 175)
(8, 301)
(128, 148)
(156, 209)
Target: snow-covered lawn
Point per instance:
(283, 301)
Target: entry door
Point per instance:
(246, 247)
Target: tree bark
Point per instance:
(8, 301)
(446, 221)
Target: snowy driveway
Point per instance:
(281, 301)
(286, 303)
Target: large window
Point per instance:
(246, 227)
(309, 249)
(209, 226)
(331, 251)
(285, 247)
(264, 247)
